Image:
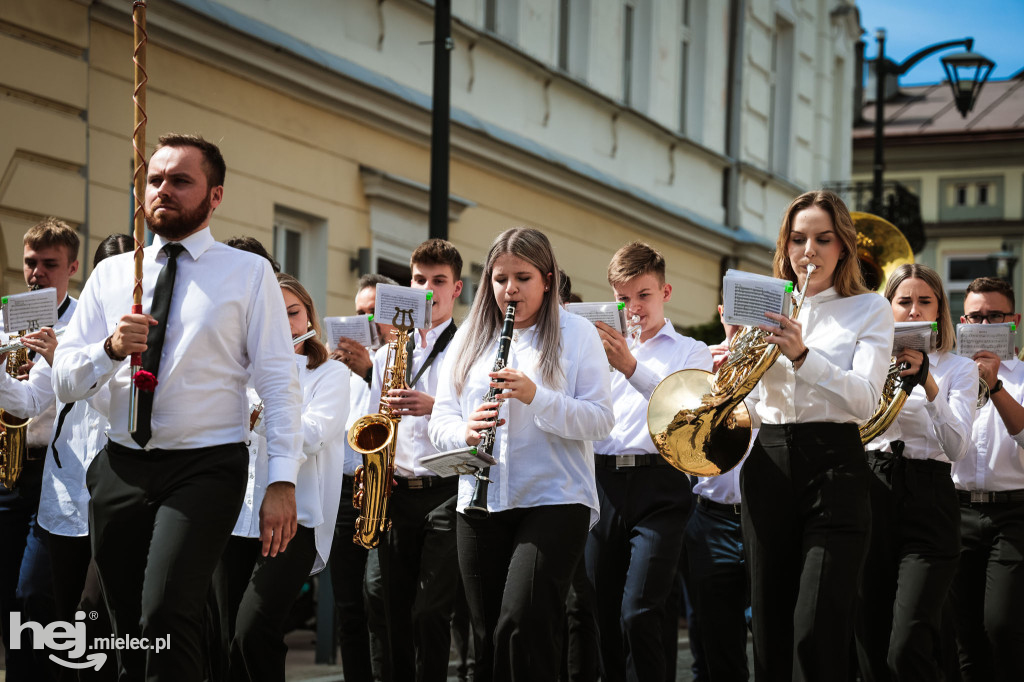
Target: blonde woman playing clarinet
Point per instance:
(517, 561)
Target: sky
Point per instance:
(997, 27)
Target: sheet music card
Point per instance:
(612, 314)
(747, 297)
(359, 328)
(403, 306)
(30, 311)
(995, 338)
(922, 336)
(460, 462)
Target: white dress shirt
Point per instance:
(666, 352)
(849, 342)
(544, 450)
(63, 498)
(413, 441)
(325, 400)
(994, 461)
(940, 429)
(226, 316)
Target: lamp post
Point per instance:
(967, 72)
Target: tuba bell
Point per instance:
(881, 248)
(697, 420)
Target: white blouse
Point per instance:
(545, 449)
(325, 405)
(849, 342)
(940, 429)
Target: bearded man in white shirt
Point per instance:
(988, 591)
(166, 495)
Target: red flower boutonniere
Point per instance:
(145, 381)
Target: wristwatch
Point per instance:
(996, 387)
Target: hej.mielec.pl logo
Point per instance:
(71, 638)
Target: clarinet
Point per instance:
(477, 507)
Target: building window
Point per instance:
(960, 198)
(502, 17)
(563, 34)
(780, 93)
(960, 272)
(573, 34)
(627, 54)
(636, 53)
(300, 246)
(983, 194)
(684, 65)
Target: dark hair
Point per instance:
(314, 349)
(50, 232)
(253, 245)
(213, 161)
(947, 336)
(847, 277)
(635, 259)
(113, 245)
(372, 279)
(564, 287)
(438, 252)
(985, 285)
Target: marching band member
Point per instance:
(988, 591)
(915, 516)
(518, 560)
(165, 497)
(633, 551)
(806, 511)
(418, 556)
(258, 649)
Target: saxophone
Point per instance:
(374, 437)
(12, 436)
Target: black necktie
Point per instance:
(155, 340)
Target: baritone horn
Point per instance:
(697, 419)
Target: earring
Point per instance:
(309, 325)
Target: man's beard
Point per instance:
(180, 225)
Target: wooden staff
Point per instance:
(139, 149)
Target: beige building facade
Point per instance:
(688, 124)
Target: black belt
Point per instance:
(970, 497)
(36, 452)
(620, 462)
(424, 482)
(733, 509)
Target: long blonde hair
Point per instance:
(484, 321)
(947, 337)
(847, 278)
(313, 348)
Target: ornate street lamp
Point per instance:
(966, 86)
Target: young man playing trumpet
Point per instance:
(633, 551)
(988, 591)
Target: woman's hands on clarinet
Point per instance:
(480, 420)
(788, 336)
(513, 384)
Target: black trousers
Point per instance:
(912, 558)
(258, 650)
(76, 587)
(632, 557)
(348, 568)
(230, 581)
(582, 660)
(718, 587)
(516, 567)
(988, 592)
(376, 618)
(159, 521)
(806, 519)
(419, 570)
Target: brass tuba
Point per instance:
(881, 248)
(374, 437)
(12, 436)
(697, 420)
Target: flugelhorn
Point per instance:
(477, 506)
(697, 419)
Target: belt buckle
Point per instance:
(625, 461)
(415, 483)
(978, 496)
(736, 509)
